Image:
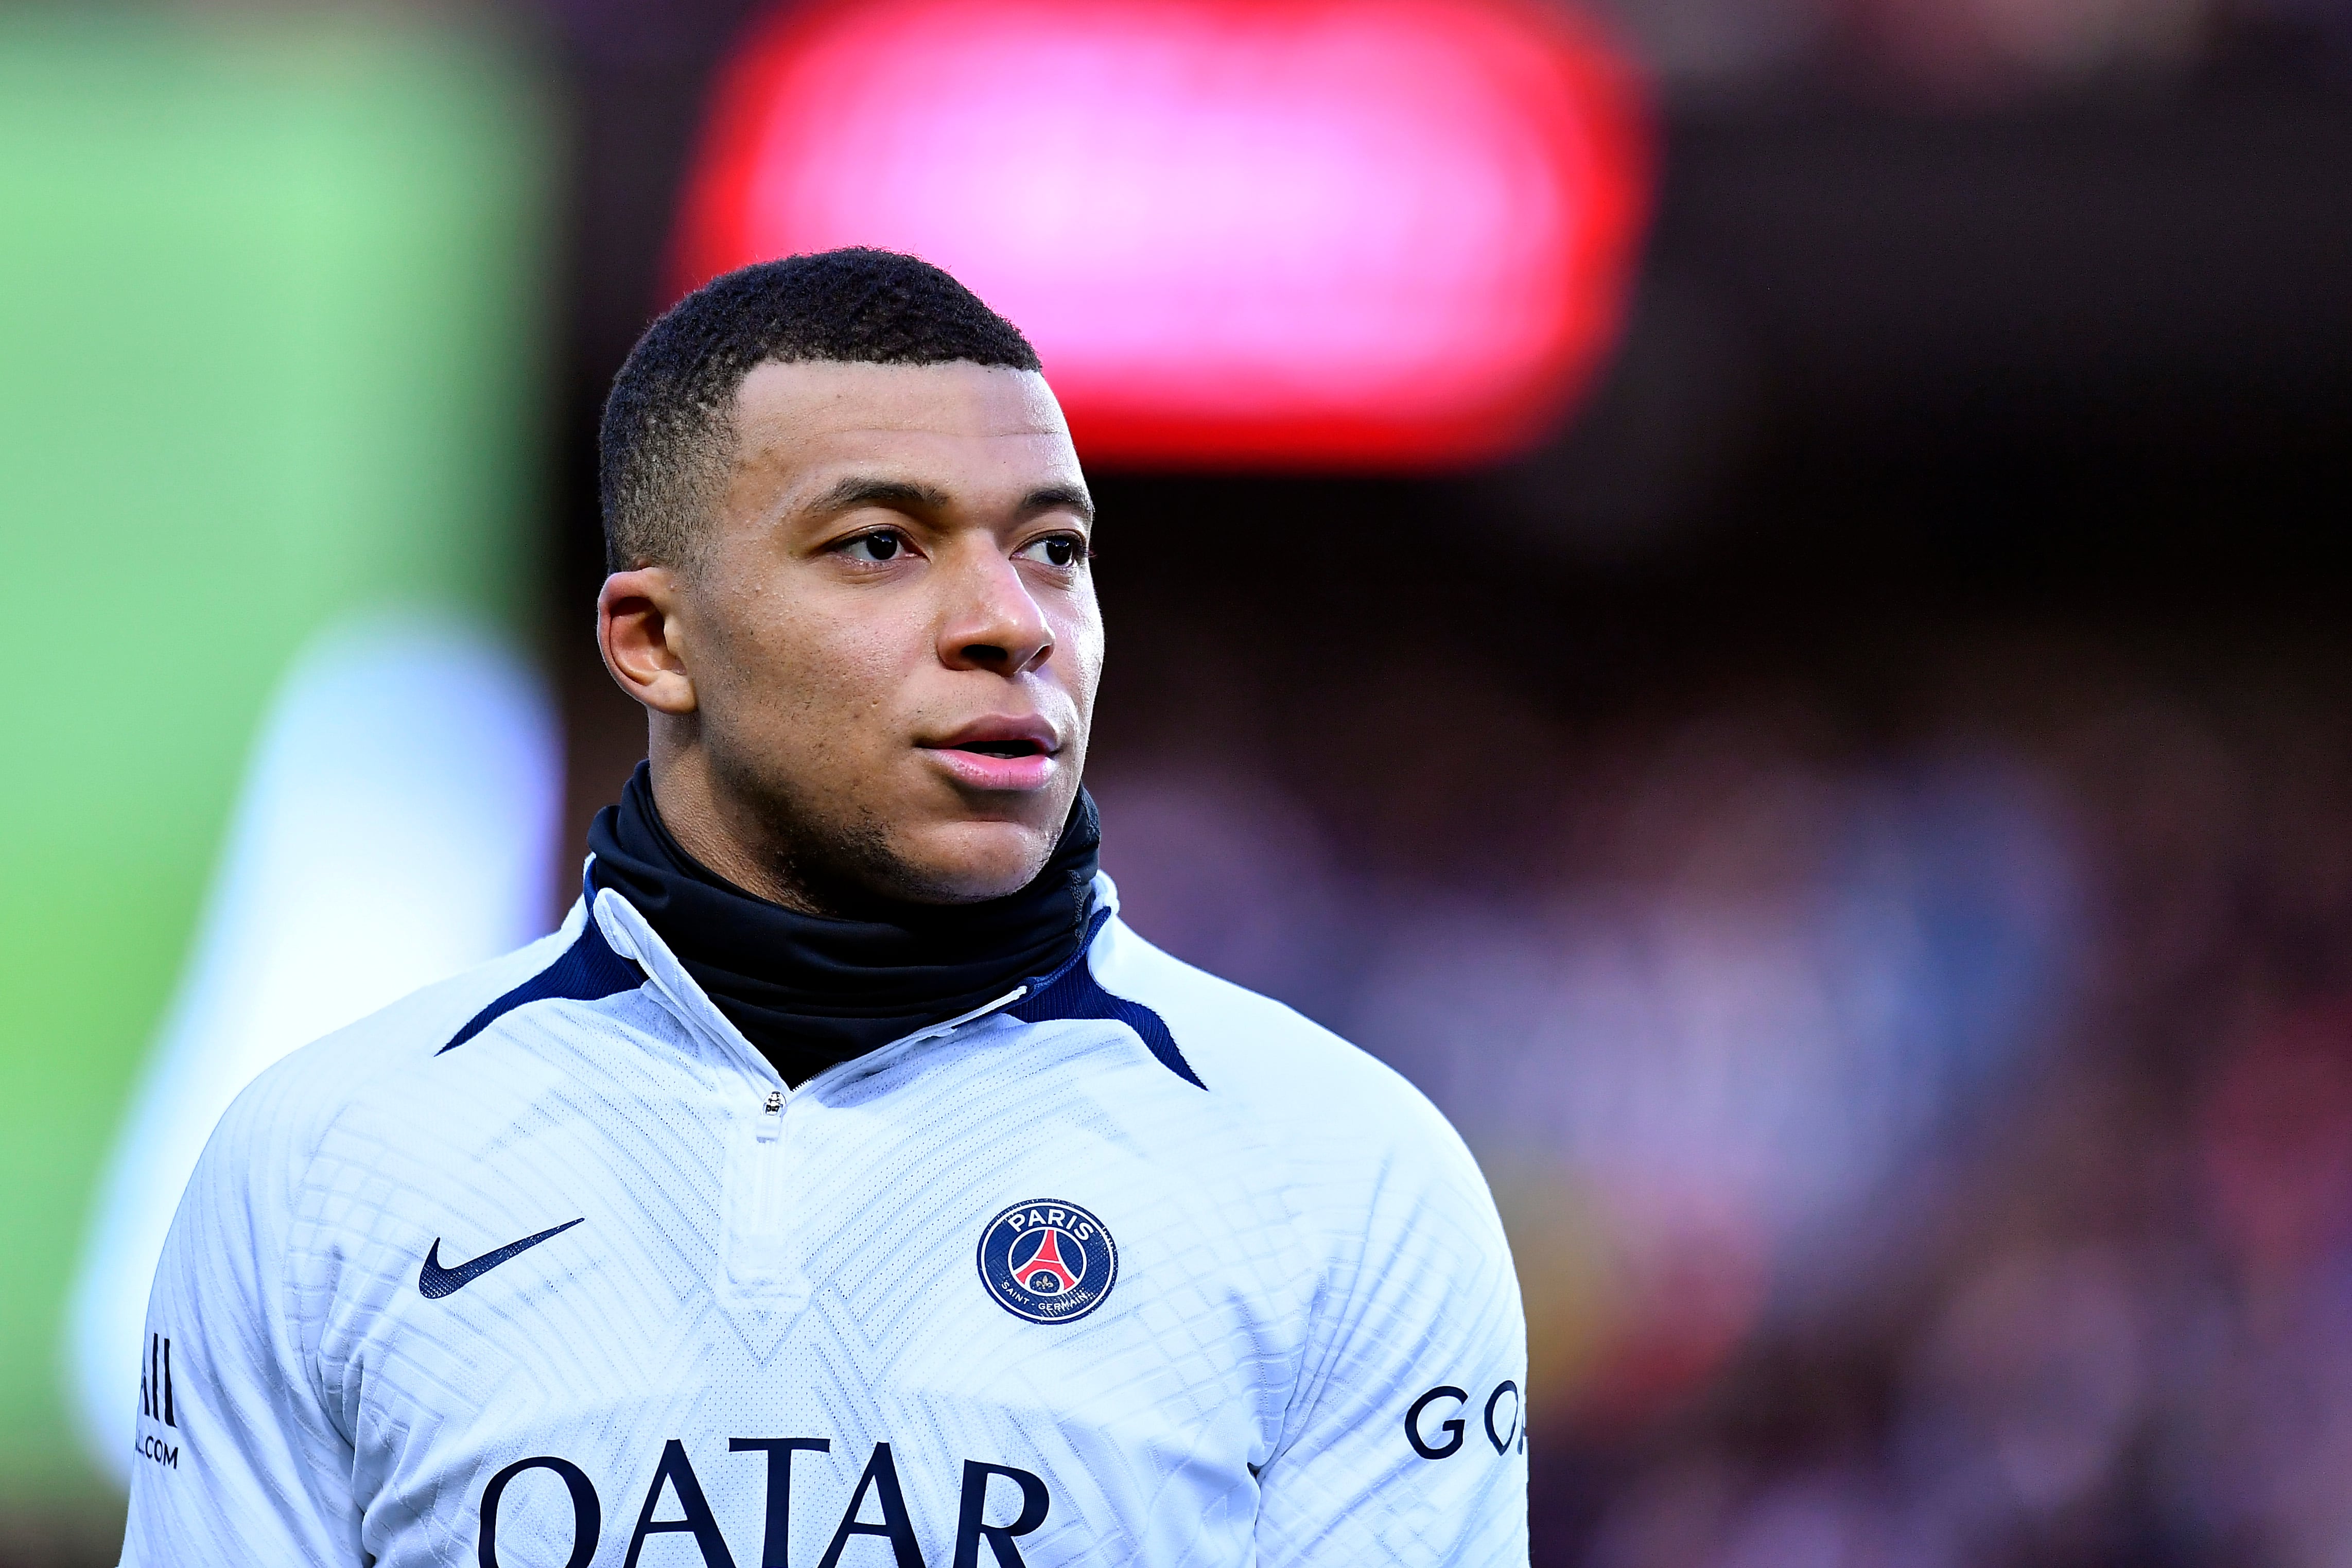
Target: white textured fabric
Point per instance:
(1312, 1296)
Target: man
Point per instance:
(844, 1184)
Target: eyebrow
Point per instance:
(1066, 497)
(905, 495)
(900, 494)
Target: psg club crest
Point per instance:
(1047, 1261)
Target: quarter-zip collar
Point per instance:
(809, 992)
(629, 934)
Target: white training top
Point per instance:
(545, 1265)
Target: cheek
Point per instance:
(1080, 638)
(799, 666)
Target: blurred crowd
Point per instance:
(1922, 1144)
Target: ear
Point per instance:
(637, 627)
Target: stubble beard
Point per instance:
(842, 865)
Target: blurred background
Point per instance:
(1742, 588)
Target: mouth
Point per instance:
(1014, 747)
(998, 754)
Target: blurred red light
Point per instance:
(1371, 234)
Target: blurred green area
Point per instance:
(269, 316)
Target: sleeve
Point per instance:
(238, 1461)
(1405, 1442)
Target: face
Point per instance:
(877, 674)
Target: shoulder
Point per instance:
(1311, 1090)
(1374, 1178)
(279, 1120)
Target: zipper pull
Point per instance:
(773, 1116)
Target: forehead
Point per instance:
(972, 430)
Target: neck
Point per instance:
(720, 829)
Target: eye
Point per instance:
(875, 548)
(1059, 550)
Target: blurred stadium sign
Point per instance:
(1330, 234)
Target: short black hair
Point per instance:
(668, 425)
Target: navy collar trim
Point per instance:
(590, 971)
(1072, 991)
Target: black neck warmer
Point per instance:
(810, 991)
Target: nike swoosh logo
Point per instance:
(435, 1282)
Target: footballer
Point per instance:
(844, 1184)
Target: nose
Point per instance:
(995, 623)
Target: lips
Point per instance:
(999, 753)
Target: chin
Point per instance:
(969, 862)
